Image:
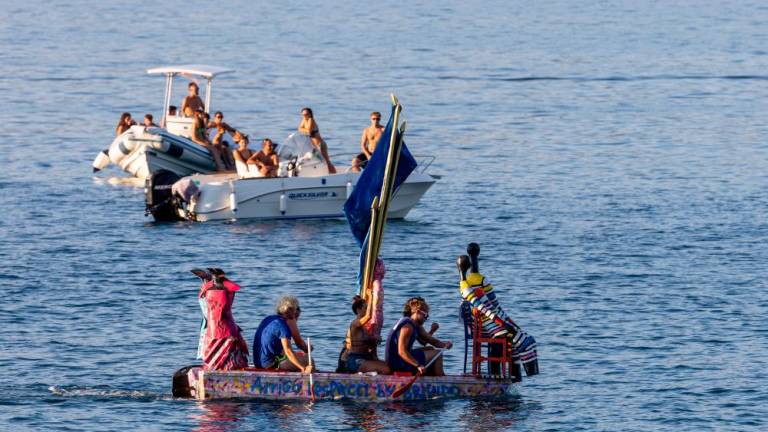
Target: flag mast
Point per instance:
(380, 205)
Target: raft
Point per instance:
(193, 382)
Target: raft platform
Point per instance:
(194, 382)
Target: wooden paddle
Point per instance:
(399, 392)
(311, 382)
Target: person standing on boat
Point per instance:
(272, 340)
(266, 159)
(368, 141)
(124, 124)
(192, 102)
(400, 354)
(224, 347)
(360, 345)
(308, 126)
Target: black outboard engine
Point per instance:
(159, 198)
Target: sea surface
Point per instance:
(609, 157)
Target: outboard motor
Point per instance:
(159, 196)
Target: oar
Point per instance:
(399, 392)
(311, 382)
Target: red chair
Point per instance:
(499, 352)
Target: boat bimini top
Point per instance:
(193, 70)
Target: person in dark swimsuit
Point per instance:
(400, 354)
(308, 126)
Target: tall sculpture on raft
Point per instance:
(478, 291)
(223, 347)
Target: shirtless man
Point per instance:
(368, 142)
(192, 103)
(266, 159)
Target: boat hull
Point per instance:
(141, 151)
(290, 197)
(257, 384)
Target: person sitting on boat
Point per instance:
(149, 121)
(192, 102)
(242, 153)
(221, 127)
(172, 111)
(308, 126)
(272, 340)
(360, 344)
(124, 124)
(223, 346)
(368, 141)
(400, 354)
(218, 141)
(478, 291)
(266, 159)
(199, 136)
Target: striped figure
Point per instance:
(478, 291)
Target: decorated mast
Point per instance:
(368, 205)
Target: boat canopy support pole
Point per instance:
(167, 99)
(208, 87)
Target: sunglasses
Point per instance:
(426, 314)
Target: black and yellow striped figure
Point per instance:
(478, 291)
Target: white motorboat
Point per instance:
(303, 189)
(141, 151)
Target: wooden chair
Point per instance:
(498, 359)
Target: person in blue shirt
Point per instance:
(272, 341)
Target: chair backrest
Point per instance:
(465, 312)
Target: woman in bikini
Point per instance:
(200, 136)
(308, 126)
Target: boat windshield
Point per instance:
(295, 146)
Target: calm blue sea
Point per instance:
(609, 156)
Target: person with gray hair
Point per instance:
(272, 340)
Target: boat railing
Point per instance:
(343, 159)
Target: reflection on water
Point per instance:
(221, 416)
(493, 414)
(363, 417)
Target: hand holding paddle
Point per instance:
(399, 392)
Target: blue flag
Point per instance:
(357, 209)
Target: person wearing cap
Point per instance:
(223, 346)
(272, 340)
(266, 160)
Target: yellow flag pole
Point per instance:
(376, 231)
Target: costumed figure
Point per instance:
(223, 347)
(376, 299)
(476, 290)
